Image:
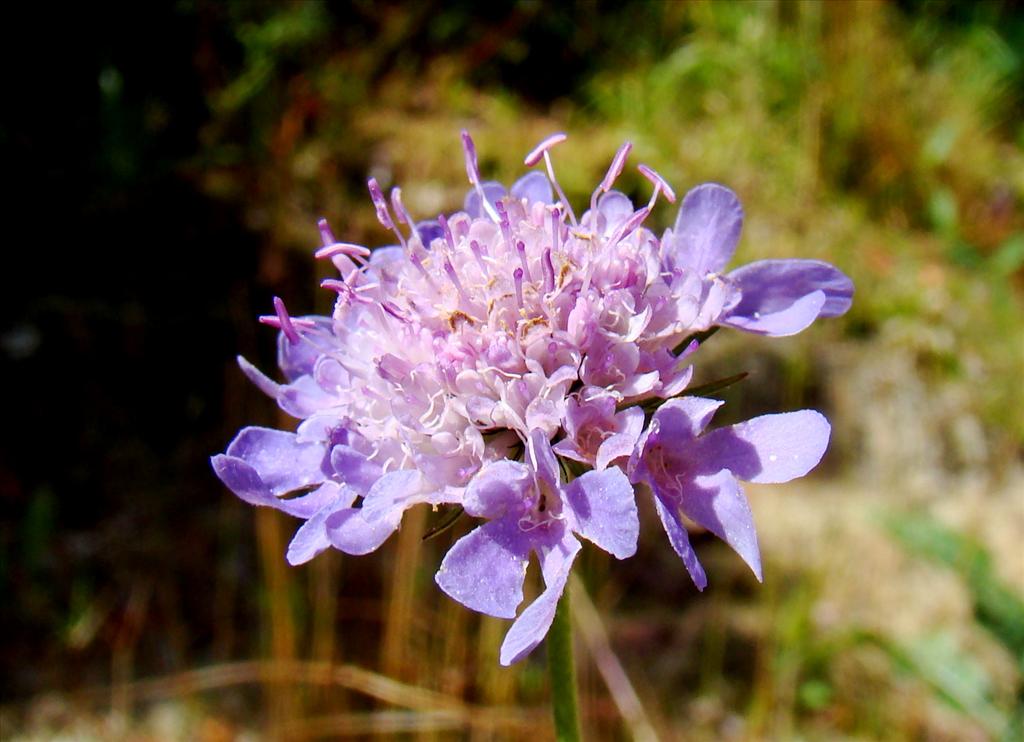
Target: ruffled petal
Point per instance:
(496, 489)
(542, 458)
(680, 540)
(614, 208)
(795, 318)
(767, 449)
(242, 479)
(717, 503)
(629, 424)
(493, 191)
(532, 625)
(394, 493)
(534, 186)
(427, 231)
(355, 469)
(311, 538)
(282, 462)
(684, 418)
(707, 228)
(485, 569)
(263, 382)
(351, 533)
(774, 287)
(604, 511)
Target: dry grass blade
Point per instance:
(595, 638)
(227, 675)
(398, 722)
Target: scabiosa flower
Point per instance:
(528, 367)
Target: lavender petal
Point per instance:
(485, 569)
(769, 449)
(534, 186)
(351, 533)
(770, 287)
(707, 229)
(282, 463)
(716, 502)
(604, 511)
(680, 540)
(532, 625)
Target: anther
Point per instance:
(517, 278)
(614, 171)
(394, 311)
(381, 207)
(417, 261)
(478, 253)
(541, 149)
(556, 227)
(549, 272)
(521, 249)
(342, 248)
(454, 278)
(379, 204)
(659, 183)
(448, 238)
(469, 150)
(473, 173)
(326, 235)
(506, 226)
(630, 224)
(285, 321)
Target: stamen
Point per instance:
(631, 224)
(478, 253)
(558, 189)
(345, 288)
(556, 223)
(379, 204)
(658, 181)
(326, 235)
(272, 320)
(473, 173)
(342, 248)
(506, 226)
(517, 278)
(454, 278)
(614, 171)
(286, 322)
(521, 249)
(381, 207)
(447, 231)
(417, 261)
(400, 211)
(394, 311)
(541, 149)
(469, 149)
(549, 272)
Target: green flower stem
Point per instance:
(561, 668)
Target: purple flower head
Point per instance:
(698, 475)
(529, 509)
(456, 355)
